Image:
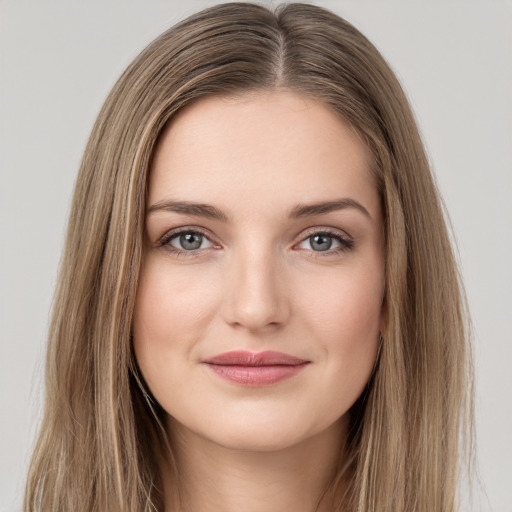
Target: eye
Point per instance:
(327, 241)
(185, 241)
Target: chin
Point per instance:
(253, 440)
(257, 434)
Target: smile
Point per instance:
(255, 369)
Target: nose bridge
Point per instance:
(256, 297)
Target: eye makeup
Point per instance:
(322, 238)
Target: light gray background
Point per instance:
(58, 60)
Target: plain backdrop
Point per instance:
(59, 59)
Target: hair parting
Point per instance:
(102, 433)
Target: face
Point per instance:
(259, 303)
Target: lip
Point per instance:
(255, 369)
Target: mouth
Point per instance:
(255, 369)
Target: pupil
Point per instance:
(321, 242)
(191, 241)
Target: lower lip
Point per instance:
(256, 375)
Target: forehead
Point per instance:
(268, 148)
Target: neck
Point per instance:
(214, 478)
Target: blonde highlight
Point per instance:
(102, 433)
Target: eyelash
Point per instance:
(346, 244)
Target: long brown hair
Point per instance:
(101, 430)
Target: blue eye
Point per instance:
(321, 242)
(186, 241)
(327, 241)
(189, 242)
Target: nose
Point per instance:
(257, 297)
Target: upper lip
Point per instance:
(245, 358)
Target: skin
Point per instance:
(258, 282)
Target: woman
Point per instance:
(258, 306)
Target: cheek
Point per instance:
(173, 300)
(345, 319)
(346, 306)
(172, 311)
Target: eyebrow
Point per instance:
(297, 212)
(307, 210)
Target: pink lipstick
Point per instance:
(255, 369)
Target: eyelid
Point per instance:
(345, 240)
(164, 240)
(325, 229)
